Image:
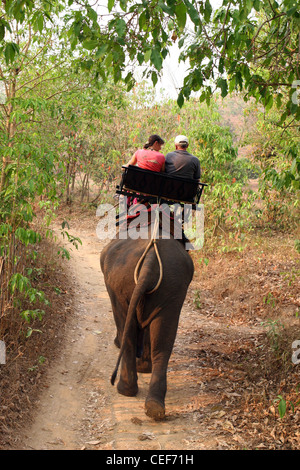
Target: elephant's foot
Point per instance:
(145, 367)
(155, 410)
(124, 389)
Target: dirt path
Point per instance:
(81, 410)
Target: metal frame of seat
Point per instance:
(160, 186)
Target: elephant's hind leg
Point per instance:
(127, 384)
(162, 336)
(143, 363)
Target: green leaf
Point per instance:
(92, 14)
(222, 83)
(156, 59)
(167, 9)
(257, 5)
(123, 4)
(154, 78)
(140, 58)
(40, 22)
(101, 51)
(292, 10)
(147, 55)
(110, 5)
(246, 72)
(278, 101)
(294, 108)
(207, 11)
(10, 51)
(207, 99)
(294, 165)
(128, 77)
(180, 100)
(180, 43)
(120, 27)
(249, 4)
(143, 20)
(221, 65)
(90, 44)
(180, 12)
(2, 31)
(202, 97)
(282, 408)
(117, 74)
(192, 12)
(269, 102)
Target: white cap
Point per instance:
(181, 139)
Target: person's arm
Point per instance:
(132, 161)
(163, 167)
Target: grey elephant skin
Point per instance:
(146, 322)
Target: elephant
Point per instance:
(146, 315)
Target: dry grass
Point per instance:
(252, 301)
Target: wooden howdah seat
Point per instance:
(155, 186)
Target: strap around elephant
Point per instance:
(152, 242)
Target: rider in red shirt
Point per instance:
(149, 157)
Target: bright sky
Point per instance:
(175, 71)
(173, 74)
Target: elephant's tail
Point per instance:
(138, 292)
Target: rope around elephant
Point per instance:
(151, 242)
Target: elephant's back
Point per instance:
(120, 257)
(175, 259)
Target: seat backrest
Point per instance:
(151, 183)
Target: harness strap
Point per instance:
(152, 242)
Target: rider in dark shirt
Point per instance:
(182, 163)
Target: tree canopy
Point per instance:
(250, 45)
(57, 47)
